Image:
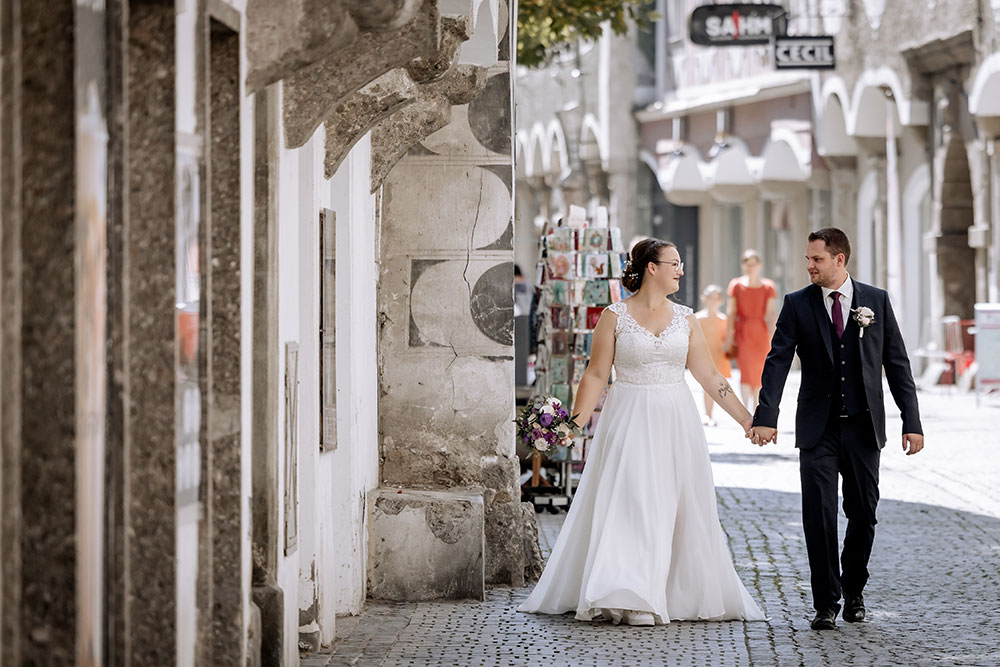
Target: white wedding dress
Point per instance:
(643, 531)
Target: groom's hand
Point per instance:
(916, 442)
(761, 435)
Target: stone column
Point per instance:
(225, 418)
(446, 357)
(844, 195)
(149, 340)
(41, 326)
(979, 231)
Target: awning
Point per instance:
(782, 171)
(729, 177)
(682, 179)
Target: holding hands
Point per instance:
(762, 435)
(758, 435)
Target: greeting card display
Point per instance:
(615, 287)
(562, 239)
(617, 264)
(560, 342)
(562, 265)
(561, 391)
(616, 239)
(595, 292)
(579, 368)
(561, 317)
(593, 315)
(559, 369)
(595, 240)
(581, 344)
(560, 292)
(597, 265)
(580, 321)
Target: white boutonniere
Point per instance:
(864, 316)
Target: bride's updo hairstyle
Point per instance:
(643, 252)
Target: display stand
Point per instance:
(578, 274)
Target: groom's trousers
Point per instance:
(848, 447)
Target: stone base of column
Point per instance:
(426, 545)
(271, 602)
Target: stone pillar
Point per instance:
(10, 334)
(149, 340)
(41, 327)
(446, 346)
(114, 569)
(844, 195)
(993, 294)
(979, 231)
(224, 291)
(266, 532)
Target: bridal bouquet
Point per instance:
(544, 423)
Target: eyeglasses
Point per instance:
(678, 266)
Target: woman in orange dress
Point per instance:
(752, 313)
(713, 325)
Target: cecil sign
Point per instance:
(804, 52)
(736, 25)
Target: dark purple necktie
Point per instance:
(837, 314)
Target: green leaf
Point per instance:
(544, 24)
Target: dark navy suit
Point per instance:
(839, 423)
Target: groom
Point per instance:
(844, 333)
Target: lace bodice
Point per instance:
(643, 358)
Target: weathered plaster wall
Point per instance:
(446, 317)
(353, 466)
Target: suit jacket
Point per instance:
(803, 327)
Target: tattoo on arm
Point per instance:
(724, 390)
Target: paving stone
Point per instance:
(933, 598)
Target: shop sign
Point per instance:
(801, 52)
(736, 25)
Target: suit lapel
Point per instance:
(822, 319)
(856, 300)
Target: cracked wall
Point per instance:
(446, 319)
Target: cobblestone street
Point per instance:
(933, 598)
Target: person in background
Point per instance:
(522, 293)
(713, 325)
(752, 313)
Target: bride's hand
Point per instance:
(747, 424)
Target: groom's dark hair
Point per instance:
(836, 241)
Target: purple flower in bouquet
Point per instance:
(562, 414)
(551, 437)
(536, 434)
(546, 420)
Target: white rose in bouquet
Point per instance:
(541, 444)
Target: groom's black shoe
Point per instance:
(826, 619)
(854, 608)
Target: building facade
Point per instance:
(228, 374)
(577, 138)
(896, 145)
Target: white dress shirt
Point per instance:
(846, 294)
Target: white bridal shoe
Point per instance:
(639, 617)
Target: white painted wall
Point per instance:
(353, 467)
(289, 330)
(330, 560)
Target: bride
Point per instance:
(642, 541)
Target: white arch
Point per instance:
(593, 126)
(728, 174)
(682, 178)
(556, 141)
(916, 306)
(831, 104)
(863, 244)
(868, 104)
(784, 136)
(523, 157)
(985, 97)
